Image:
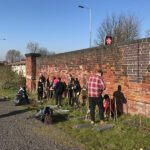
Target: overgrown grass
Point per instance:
(10, 82)
(10, 79)
(8, 94)
(128, 133)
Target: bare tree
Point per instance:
(51, 53)
(22, 57)
(121, 28)
(33, 47)
(13, 56)
(147, 33)
(44, 52)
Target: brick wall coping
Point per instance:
(113, 46)
(33, 55)
(144, 40)
(17, 63)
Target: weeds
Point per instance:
(128, 133)
(10, 79)
(125, 135)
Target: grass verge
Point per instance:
(129, 133)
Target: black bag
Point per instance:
(40, 115)
(20, 99)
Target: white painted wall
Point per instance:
(19, 69)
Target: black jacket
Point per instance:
(70, 84)
(59, 88)
(40, 87)
(22, 92)
(43, 79)
(48, 83)
(77, 87)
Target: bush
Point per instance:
(10, 79)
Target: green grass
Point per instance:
(120, 137)
(9, 79)
(8, 94)
(124, 135)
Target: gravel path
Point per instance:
(19, 133)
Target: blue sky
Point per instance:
(59, 25)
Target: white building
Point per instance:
(19, 67)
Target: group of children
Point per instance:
(57, 88)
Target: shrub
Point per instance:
(10, 79)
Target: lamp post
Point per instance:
(90, 20)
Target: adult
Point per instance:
(95, 87)
(120, 100)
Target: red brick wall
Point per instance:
(126, 64)
(31, 71)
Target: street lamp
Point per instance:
(90, 19)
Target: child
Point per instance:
(40, 90)
(59, 88)
(108, 105)
(70, 89)
(76, 92)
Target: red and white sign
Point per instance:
(108, 40)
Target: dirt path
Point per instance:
(19, 133)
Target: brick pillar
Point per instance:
(31, 71)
